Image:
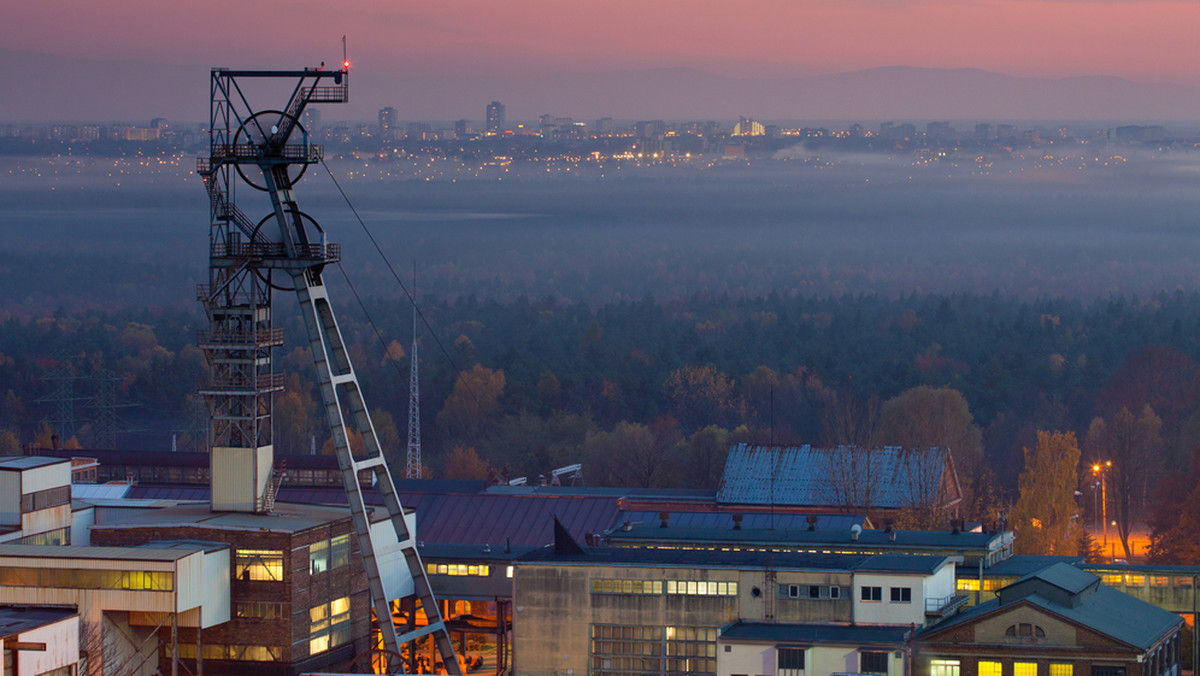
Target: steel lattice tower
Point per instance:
(269, 150)
(413, 469)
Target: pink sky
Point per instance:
(1151, 40)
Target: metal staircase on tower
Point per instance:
(263, 150)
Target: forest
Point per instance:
(652, 393)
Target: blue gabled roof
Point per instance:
(806, 476)
(1089, 604)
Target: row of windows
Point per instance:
(259, 610)
(56, 538)
(1109, 580)
(636, 650)
(896, 594)
(328, 554)
(79, 578)
(678, 587)
(244, 653)
(51, 497)
(651, 666)
(1129, 580)
(990, 668)
(258, 564)
(627, 632)
(808, 591)
(459, 569)
(329, 625)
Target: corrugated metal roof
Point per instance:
(805, 476)
(99, 491)
(752, 521)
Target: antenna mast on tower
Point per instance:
(413, 470)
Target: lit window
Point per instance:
(1025, 669)
(259, 564)
(968, 584)
(942, 667)
(318, 557)
(1062, 669)
(339, 551)
(989, 668)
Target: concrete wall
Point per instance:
(551, 620)
(46, 477)
(885, 611)
(81, 525)
(759, 659)
(804, 609)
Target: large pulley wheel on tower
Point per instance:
(260, 130)
(310, 226)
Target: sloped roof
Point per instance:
(711, 521)
(477, 519)
(1104, 610)
(804, 476)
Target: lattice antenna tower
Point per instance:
(269, 151)
(413, 467)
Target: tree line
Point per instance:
(653, 393)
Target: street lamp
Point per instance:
(1099, 469)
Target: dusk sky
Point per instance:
(1149, 40)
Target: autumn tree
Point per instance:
(1046, 516)
(926, 417)
(471, 408)
(1174, 526)
(632, 455)
(1131, 443)
(9, 443)
(701, 396)
(464, 463)
(702, 457)
(295, 417)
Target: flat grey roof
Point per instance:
(23, 462)
(288, 517)
(871, 537)
(18, 619)
(77, 552)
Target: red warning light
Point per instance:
(346, 64)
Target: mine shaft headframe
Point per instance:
(242, 133)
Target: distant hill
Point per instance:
(46, 87)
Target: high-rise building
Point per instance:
(387, 123)
(462, 128)
(747, 126)
(495, 117)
